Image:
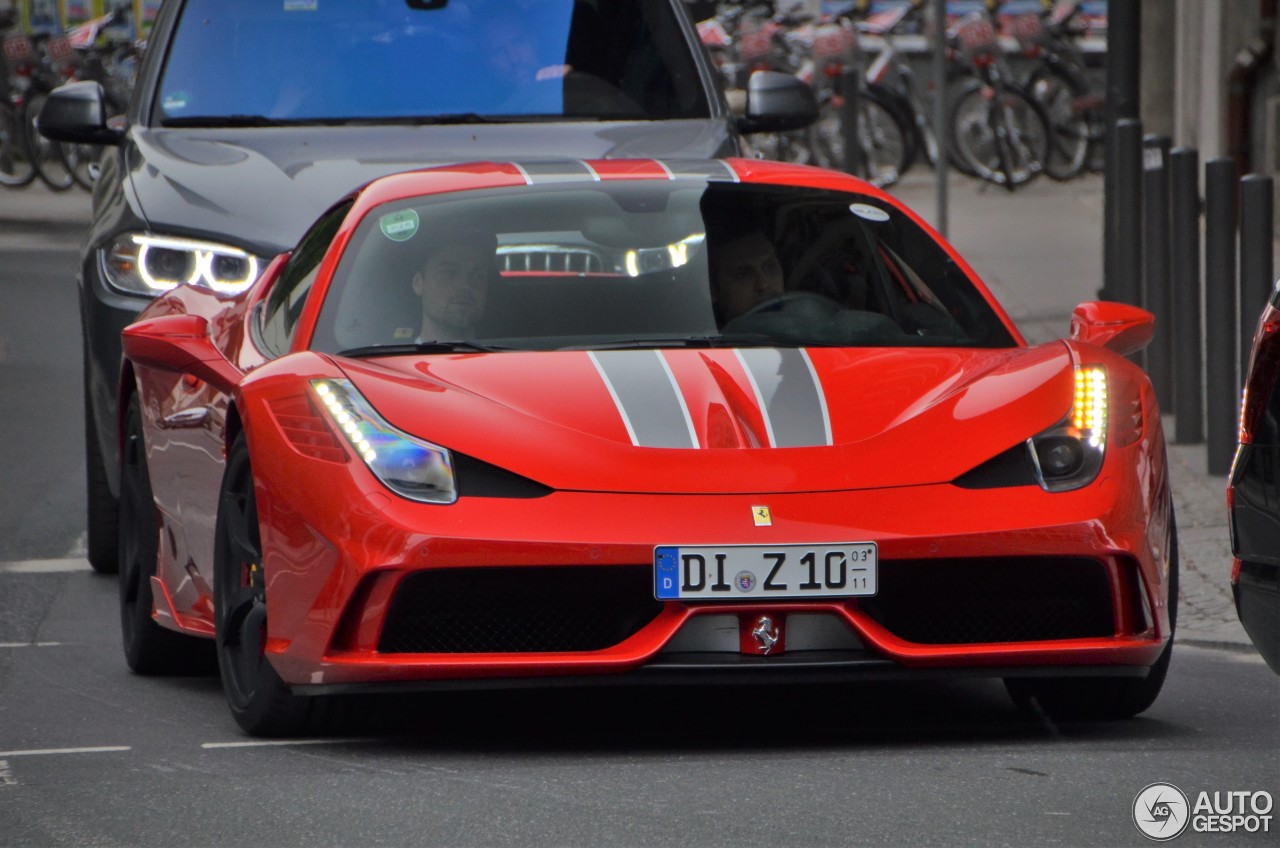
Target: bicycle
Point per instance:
(1060, 82)
(17, 168)
(999, 129)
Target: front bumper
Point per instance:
(333, 594)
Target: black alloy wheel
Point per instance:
(260, 701)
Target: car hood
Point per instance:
(260, 187)
(749, 421)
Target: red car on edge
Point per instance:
(636, 420)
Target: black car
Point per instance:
(1253, 494)
(251, 118)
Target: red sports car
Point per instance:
(623, 421)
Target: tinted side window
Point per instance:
(289, 294)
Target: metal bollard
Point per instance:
(1126, 285)
(1188, 396)
(1220, 310)
(1156, 293)
(1257, 273)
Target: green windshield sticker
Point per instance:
(399, 226)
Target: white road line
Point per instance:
(40, 752)
(45, 566)
(30, 644)
(275, 743)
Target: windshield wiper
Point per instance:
(737, 340)
(225, 121)
(419, 348)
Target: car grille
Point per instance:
(968, 601)
(518, 609)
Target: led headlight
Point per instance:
(408, 466)
(139, 263)
(1070, 455)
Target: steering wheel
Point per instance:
(780, 302)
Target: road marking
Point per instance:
(45, 566)
(274, 743)
(30, 644)
(41, 752)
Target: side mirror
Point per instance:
(777, 102)
(1118, 327)
(180, 343)
(77, 113)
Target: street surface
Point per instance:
(93, 755)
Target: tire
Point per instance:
(1073, 130)
(884, 139)
(260, 701)
(921, 146)
(16, 168)
(148, 648)
(103, 513)
(50, 163)
(1104, 698)
(1003, 139)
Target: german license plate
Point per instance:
(757, 572)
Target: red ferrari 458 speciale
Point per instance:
(629, 421)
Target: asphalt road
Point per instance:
(92, 755)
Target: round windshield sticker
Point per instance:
(399, 226)
(869, 213)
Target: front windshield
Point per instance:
(325, 61)
(647, 263)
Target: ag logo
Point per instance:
(1161, 811)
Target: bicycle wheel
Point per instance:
(16, 167)
(880, 133)
(50, 164)
(81, 161)
(1074, 121)
(1002, 136)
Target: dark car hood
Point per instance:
(262, 187)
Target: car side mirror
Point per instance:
(180, 343)
(777, 102)
(1118, 327)
(77, 113)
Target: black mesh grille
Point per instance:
(519, 610)
(966, 601)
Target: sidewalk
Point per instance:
(1040, 251)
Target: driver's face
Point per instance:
(748, 273)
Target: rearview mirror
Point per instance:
(1118, 327)
(777, 102)
(77, 113)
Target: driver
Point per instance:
(745, 271)
(453, 285)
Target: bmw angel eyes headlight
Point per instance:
(1070, 455)
(408, 466)
(140, 263)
